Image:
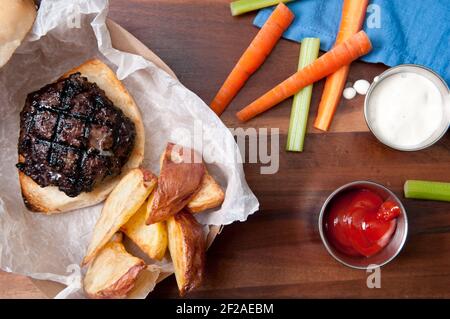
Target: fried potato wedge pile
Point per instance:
(155, 214)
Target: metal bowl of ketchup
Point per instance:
(363, 225)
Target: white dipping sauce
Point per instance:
(405, 110)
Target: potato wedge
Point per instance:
(113, 272)
(187, 250)
(180, 178)
(209, 195)
(126, 198)
(151, 239)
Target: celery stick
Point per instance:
(300, 107)
(427, 190)
(243, 6)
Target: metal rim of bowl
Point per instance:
(324, 208)
(386, 74)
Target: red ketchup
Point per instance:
(360, 223)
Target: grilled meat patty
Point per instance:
(72, 136)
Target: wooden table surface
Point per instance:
(278, 252)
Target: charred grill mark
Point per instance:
(72, 136)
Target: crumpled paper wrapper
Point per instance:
(65, 35)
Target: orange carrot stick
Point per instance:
(342, 54)
(253, 57)
(353, 13)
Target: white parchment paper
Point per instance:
(65, 34)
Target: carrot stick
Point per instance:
(342, 54)
(353, 13)
(253, 57)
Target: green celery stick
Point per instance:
(243, 6)
(300, 107)
(427, 190)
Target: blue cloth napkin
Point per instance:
(401, 31)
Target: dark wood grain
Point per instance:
(277, 252)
